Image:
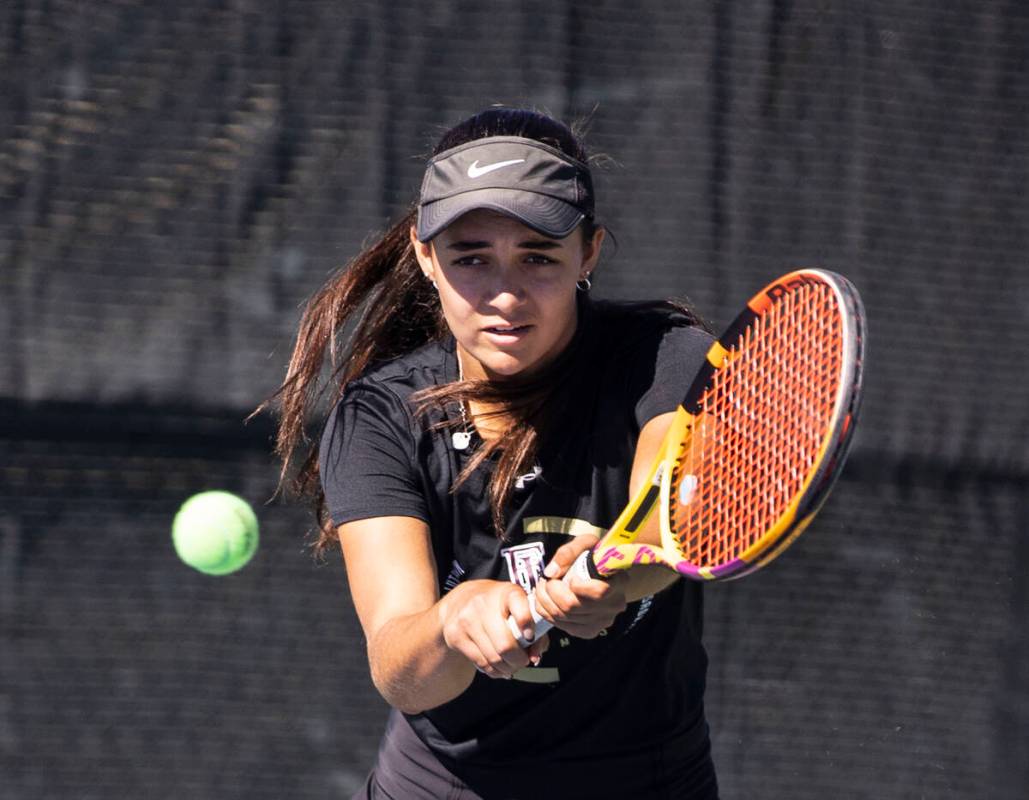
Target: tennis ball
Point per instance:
(215, 532)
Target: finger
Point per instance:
(605, 603)
(545, 605)
(482, 662)
(537, 649)
(558, 599)
(511, 604)
(566, 554)
(617, 585)
(512, 656)
(519, 609)
(477, 645)
(493, 663)
(597, 588)
(592, 616)
(589, 602)
(592, 589)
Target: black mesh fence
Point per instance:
(175, 179)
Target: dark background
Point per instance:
(176, 178)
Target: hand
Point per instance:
(581, 608)
(474, 616)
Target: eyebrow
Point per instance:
(464, 246)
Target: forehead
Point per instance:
(484, 224)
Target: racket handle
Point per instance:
(584, 568)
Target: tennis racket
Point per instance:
(756, 444)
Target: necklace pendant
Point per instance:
(460, 440)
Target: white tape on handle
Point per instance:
(541, 625)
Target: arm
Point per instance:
(584, 608)
(423, 650)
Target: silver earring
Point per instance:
(584, 284)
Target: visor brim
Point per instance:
(546, 215)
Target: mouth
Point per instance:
(507, 334)
(507, 330)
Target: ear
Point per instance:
(423, 252)
(591, 252)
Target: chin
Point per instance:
(505, 367)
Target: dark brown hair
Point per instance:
(400, 313)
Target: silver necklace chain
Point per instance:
(460, 440)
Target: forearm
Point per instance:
(411, 665)
(648, 579)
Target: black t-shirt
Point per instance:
(642, 682)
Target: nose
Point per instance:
(507, 291)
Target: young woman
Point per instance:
(489, 420)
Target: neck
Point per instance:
(482, 416)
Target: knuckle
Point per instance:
(518, 601)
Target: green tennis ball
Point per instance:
(215, 532)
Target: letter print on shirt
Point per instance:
(524, 564)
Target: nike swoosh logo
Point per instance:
(475, 171)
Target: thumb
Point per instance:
(567, 553)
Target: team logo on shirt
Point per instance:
(522, 481)
(524, 563)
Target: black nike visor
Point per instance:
(537, 184)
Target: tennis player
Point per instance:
(490, 419)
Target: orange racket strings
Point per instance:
(762, 423)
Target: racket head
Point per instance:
(772, 414)
(757, 443)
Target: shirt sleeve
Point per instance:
(366, 459)
(665, 375)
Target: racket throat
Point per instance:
(643, 511)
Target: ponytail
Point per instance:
(400, 313)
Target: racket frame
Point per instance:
(617, 549)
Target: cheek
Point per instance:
(548, 285)
(458, 289)
(555, 293)
(455, 304)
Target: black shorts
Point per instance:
(407, 770)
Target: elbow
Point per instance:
(396, 686)
(399, 694)
(409, 708)
(386, 685)
(414, 693)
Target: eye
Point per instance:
(539, 258)
(469, 261)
